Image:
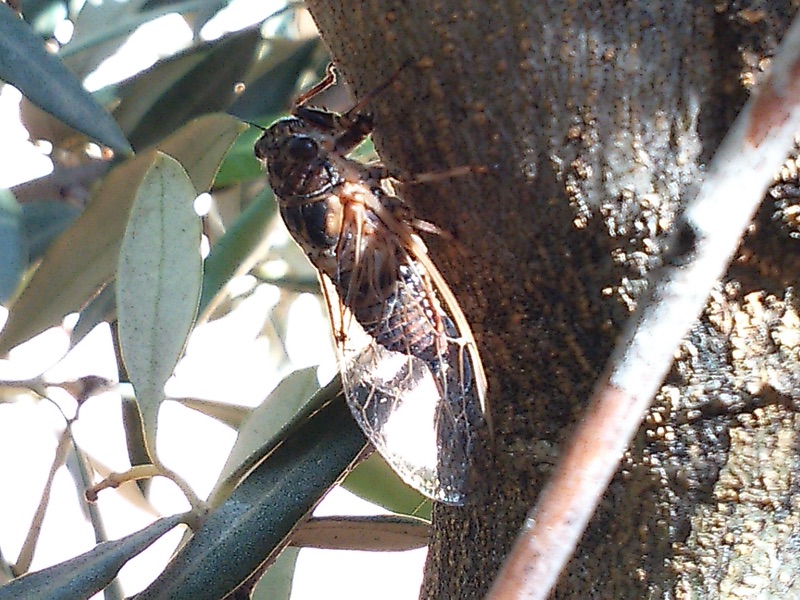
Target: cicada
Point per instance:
(410, 368)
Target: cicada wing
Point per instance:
(422, 415)
(392, 397)
(423, 418)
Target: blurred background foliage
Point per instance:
(110, 236)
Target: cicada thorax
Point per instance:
(374, 275)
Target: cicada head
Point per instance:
(297, 160)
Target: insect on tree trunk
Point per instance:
(595, 120)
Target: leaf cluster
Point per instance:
(112, 235)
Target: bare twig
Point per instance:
(113, 591)
(706, 237)
(9, 388)
(29, 546)
(114, 480)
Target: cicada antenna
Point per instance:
(358, 106)
(256, 125)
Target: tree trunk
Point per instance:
(595, 119)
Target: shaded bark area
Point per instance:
(595, 119)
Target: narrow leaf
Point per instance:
(267, 426)
(43, 221)
(100, 29)
(134, 437)
(276, 584)
(272, 91)
(231, 415)
(46, 82)
(240, 163)
(201, 145)
(198, 81)
(84, 258)
(80, 261)
(101, 309)
(45, 15)
(253, 524)
(374, 480)
(87, 574)
(232, 249)
(158, 282)
(5, 570)
(382, 533)
(12, 245)
(32, 539)
(79, 468)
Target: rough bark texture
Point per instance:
(596, 118)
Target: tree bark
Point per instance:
(595, 119)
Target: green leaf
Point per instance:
(231, 415)
(375, 481)
(102, 27)
(12, 245)
(101, 309)
(158, 283)
(240, 163)
(80, 261)
(43, 221)
(45, 15)
(5, 570)
(215, 134)
(46, 82)
(276, 584)
(266, 427)
(231, 250)
(274, 86)
(254, 523)
(87, 574)
(84, 258)
(198, 81)
(135, 441)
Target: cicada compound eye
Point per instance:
(302, 148)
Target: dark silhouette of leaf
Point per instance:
(273, 90)
(87, 574)
(12, 245)
(196, 82)
(46, 82)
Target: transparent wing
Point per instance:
(422, 414)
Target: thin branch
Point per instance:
(113, 591)
(148, 471)
(706, 237)
(13, 387)
(23, 563)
